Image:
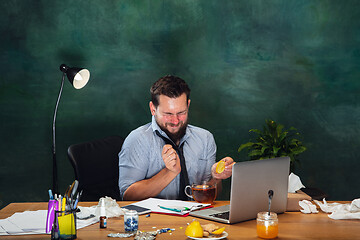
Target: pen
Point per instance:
(59, 202)
(195, 207)
(51, 195)
(170, 209)
(74, 189)
(77, 199)
(63, 205)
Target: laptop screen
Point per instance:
(251, 182)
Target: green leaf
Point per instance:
(255, 131)
(292, 129)
(255, 153)
(282, 136)
(264, 148)
(298, 150)
(279, 130)
(245, 145)
(275, 150)
(294, 141)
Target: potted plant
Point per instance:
(274, 141)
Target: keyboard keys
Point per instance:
(223, 215)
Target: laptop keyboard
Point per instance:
(223, 215)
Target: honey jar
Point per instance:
(267, 225)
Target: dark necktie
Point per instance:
(184, 179)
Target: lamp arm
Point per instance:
(55, 177)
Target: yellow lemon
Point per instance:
(194, 229)
(219, 231)
(220, 167)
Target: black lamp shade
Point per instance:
(78, 77)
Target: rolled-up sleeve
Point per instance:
(211, 155)
(132, 163)
(208, 159)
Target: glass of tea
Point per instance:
(202, 193)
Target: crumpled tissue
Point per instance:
(307, 207)
(341, 210)
(294, 183)
(111, 207)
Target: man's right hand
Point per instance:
(151, 187)
(171, 159)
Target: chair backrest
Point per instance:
(96, 167)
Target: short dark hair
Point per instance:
(170, 86)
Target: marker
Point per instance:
(170, 209)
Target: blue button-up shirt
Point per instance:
(140, 157)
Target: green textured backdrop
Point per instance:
(297, 62)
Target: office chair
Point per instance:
(96, 167)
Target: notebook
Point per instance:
(250, 184)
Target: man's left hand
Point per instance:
(229, 162)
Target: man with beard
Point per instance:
(160, 158)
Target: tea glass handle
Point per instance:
(185, 190)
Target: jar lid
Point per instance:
(131, 212)
(266, 216)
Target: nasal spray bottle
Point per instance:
(103, 218)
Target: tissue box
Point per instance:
(293, 200)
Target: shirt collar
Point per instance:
(155, 127)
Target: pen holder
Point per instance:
(64, 226)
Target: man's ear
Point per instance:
(152, 108)
(188, 103)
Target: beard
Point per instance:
(175, 137)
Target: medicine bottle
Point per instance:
(103, 218)
(267, 225)
(131, 221)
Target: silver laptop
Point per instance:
(250, 184)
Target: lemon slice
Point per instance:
(219, 231)
(220, 167)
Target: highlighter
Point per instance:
(63, 206)
(52, 207)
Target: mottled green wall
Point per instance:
(297, 62)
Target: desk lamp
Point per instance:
(78, 77)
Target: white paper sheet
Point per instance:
(30, 220)
(153, 204)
